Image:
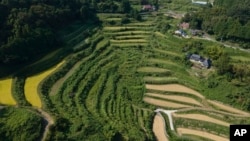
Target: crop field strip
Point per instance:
(32, 85)
(6, 97)
(100, 91)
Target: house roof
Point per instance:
(195, 57)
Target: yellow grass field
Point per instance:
(176, 98)
(32, 83)
(201, 134)
(201, 118)
(159, 128)
(5, 92)
(163, 103)
(174, 88)
(227, 108)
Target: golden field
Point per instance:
(32, 83)
(5, 92)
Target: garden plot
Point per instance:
(201, 118)
(5, 92)
(163, 103)
(183, 131)
(175, 98)
(174, 88)
(32, 85)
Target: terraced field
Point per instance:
(32, 85)
(104, 89)
(114, 79)
(165, 88)
(6, 97)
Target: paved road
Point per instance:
(169, 113)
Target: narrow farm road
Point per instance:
(49, 120)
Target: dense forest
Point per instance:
(227, 20)
(28, 27)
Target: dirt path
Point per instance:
(227, 108)
(174, 88)
(201, 134)
(159, 128)
(163, 103)
(176, 98)
(201, 118)
(50, 121)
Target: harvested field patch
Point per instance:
(153, 69)
(201, 118)
(32, 84)
(176, 98)
(159, 128)
(5, 92)
(184, 131)
(163, 103)
(227, 108)
(174, 88)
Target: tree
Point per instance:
(125, 6)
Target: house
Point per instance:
(196, 57)
(184, 25)
(147, 8)
(207, 63)
(200, 60)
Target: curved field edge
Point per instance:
(159, 128)
(32, 84)
(183, 131)
(6, 97)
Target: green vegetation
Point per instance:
(98, 92)
(18, 124)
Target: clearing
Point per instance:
(5, 92)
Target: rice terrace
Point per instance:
(122, 70)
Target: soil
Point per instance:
(176, 98)
(159, 128)
(174, 88)
(201, 134)
(201, 118)
(163, 103)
